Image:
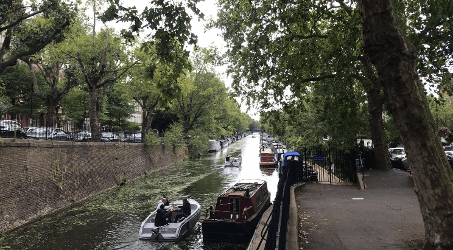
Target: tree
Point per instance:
(344, 120)
(101, 60)
(75, 106)
(307, 41)
(168, 23)
(201, 96)
(298, 47)
(442, 110)
(23, 36)
(394, 59)
(5, 103)
(58, 77)
(147, 84)
(18, 84)
(118, 108)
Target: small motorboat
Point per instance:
(231, 161)
(172, 231)
(237, 212)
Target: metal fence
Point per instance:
(332, 165)
(326, 166)
(64, 131)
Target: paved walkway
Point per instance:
(386, 215)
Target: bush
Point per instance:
(152, 140)
(198, 143)
(173, 137)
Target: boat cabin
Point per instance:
(267, 158)
(241, 201)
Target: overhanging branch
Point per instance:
(319, 78)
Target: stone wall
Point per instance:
(38, 177)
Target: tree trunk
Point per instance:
(381, 154)
(51, 113)
(149, 112)
(395, 61)
(95, 111)
(148, 118)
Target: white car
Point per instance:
(398, 158)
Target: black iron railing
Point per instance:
(315, 165)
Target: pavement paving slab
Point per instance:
(385, 215)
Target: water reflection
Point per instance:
(112, 220)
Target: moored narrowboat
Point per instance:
(237, 212)
(267, 158)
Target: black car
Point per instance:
(11, 129)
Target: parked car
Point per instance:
(84, 135)
(398, 158)
(109, 137)
(44, 133)
(450, 157)
(11, 129)
(137, 137)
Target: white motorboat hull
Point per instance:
(233, 162)
(172, 231)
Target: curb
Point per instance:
(360, 179)
(292, 234)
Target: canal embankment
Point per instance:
(40, 177)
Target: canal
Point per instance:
(112, 220)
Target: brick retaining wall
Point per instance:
(38, 177)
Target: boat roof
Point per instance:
(240, 188)
(291, 153)
(266, 150)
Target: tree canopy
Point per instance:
(29, 26)
(291, 53)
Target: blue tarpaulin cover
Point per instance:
(289, 154)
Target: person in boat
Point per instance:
(185, 209)
(161, 216)
(164, 201)
(167, 203)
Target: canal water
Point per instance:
(112, 220)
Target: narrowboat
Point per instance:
(267, 158)
(236, 213)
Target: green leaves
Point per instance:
(167, 21)
(30, 29)
(174, 136)
(299, 56)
